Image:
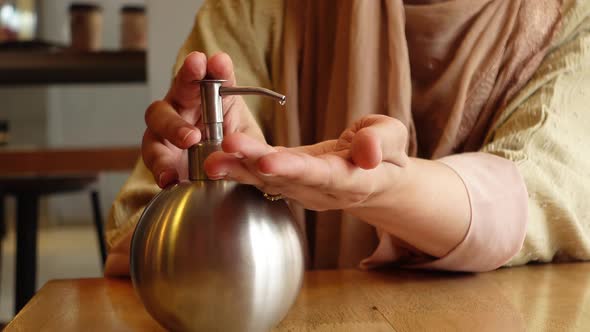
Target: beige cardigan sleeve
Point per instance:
(545, 132)
(247, 31)
(542, 134)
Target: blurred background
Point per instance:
(76, 76)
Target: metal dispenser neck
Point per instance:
(212, 92)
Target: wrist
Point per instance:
(398, 182)
(425, 204)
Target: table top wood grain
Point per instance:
(534, 298)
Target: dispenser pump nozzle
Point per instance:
(212, 92)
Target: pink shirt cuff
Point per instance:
(499, 211)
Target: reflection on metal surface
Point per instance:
(216, 254)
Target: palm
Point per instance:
(335, 174)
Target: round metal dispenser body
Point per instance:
(217, 256)
(211, 255)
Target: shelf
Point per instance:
(38, 67)
(31, 161)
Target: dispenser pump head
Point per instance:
(212, 92)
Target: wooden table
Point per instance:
(30, 173)
(533, 298)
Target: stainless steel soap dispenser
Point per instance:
(215, 255)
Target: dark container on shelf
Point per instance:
(4, 132)
(133, 28)
(86, 22)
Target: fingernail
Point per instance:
(166, 178)
(238, 155)
(187, 135)
(265, 174)
(218, 176)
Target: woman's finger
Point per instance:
(313, 199)
(245, 146)
(221, 165)
(379, 138)
(316, 149)
(366, 149)
(340, 182)
(308, 197)
(302, 169)
(163, 121)
(221, 67)
(184, 93)
(159, 159)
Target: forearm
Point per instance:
(429, 209)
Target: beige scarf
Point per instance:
(444, 68)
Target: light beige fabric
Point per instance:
(443, 68)
(542, 129)
(545, 130)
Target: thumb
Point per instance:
(379, 138)
(184, 92)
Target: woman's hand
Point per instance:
(367, 173)
(368, 159)
(173, 123)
